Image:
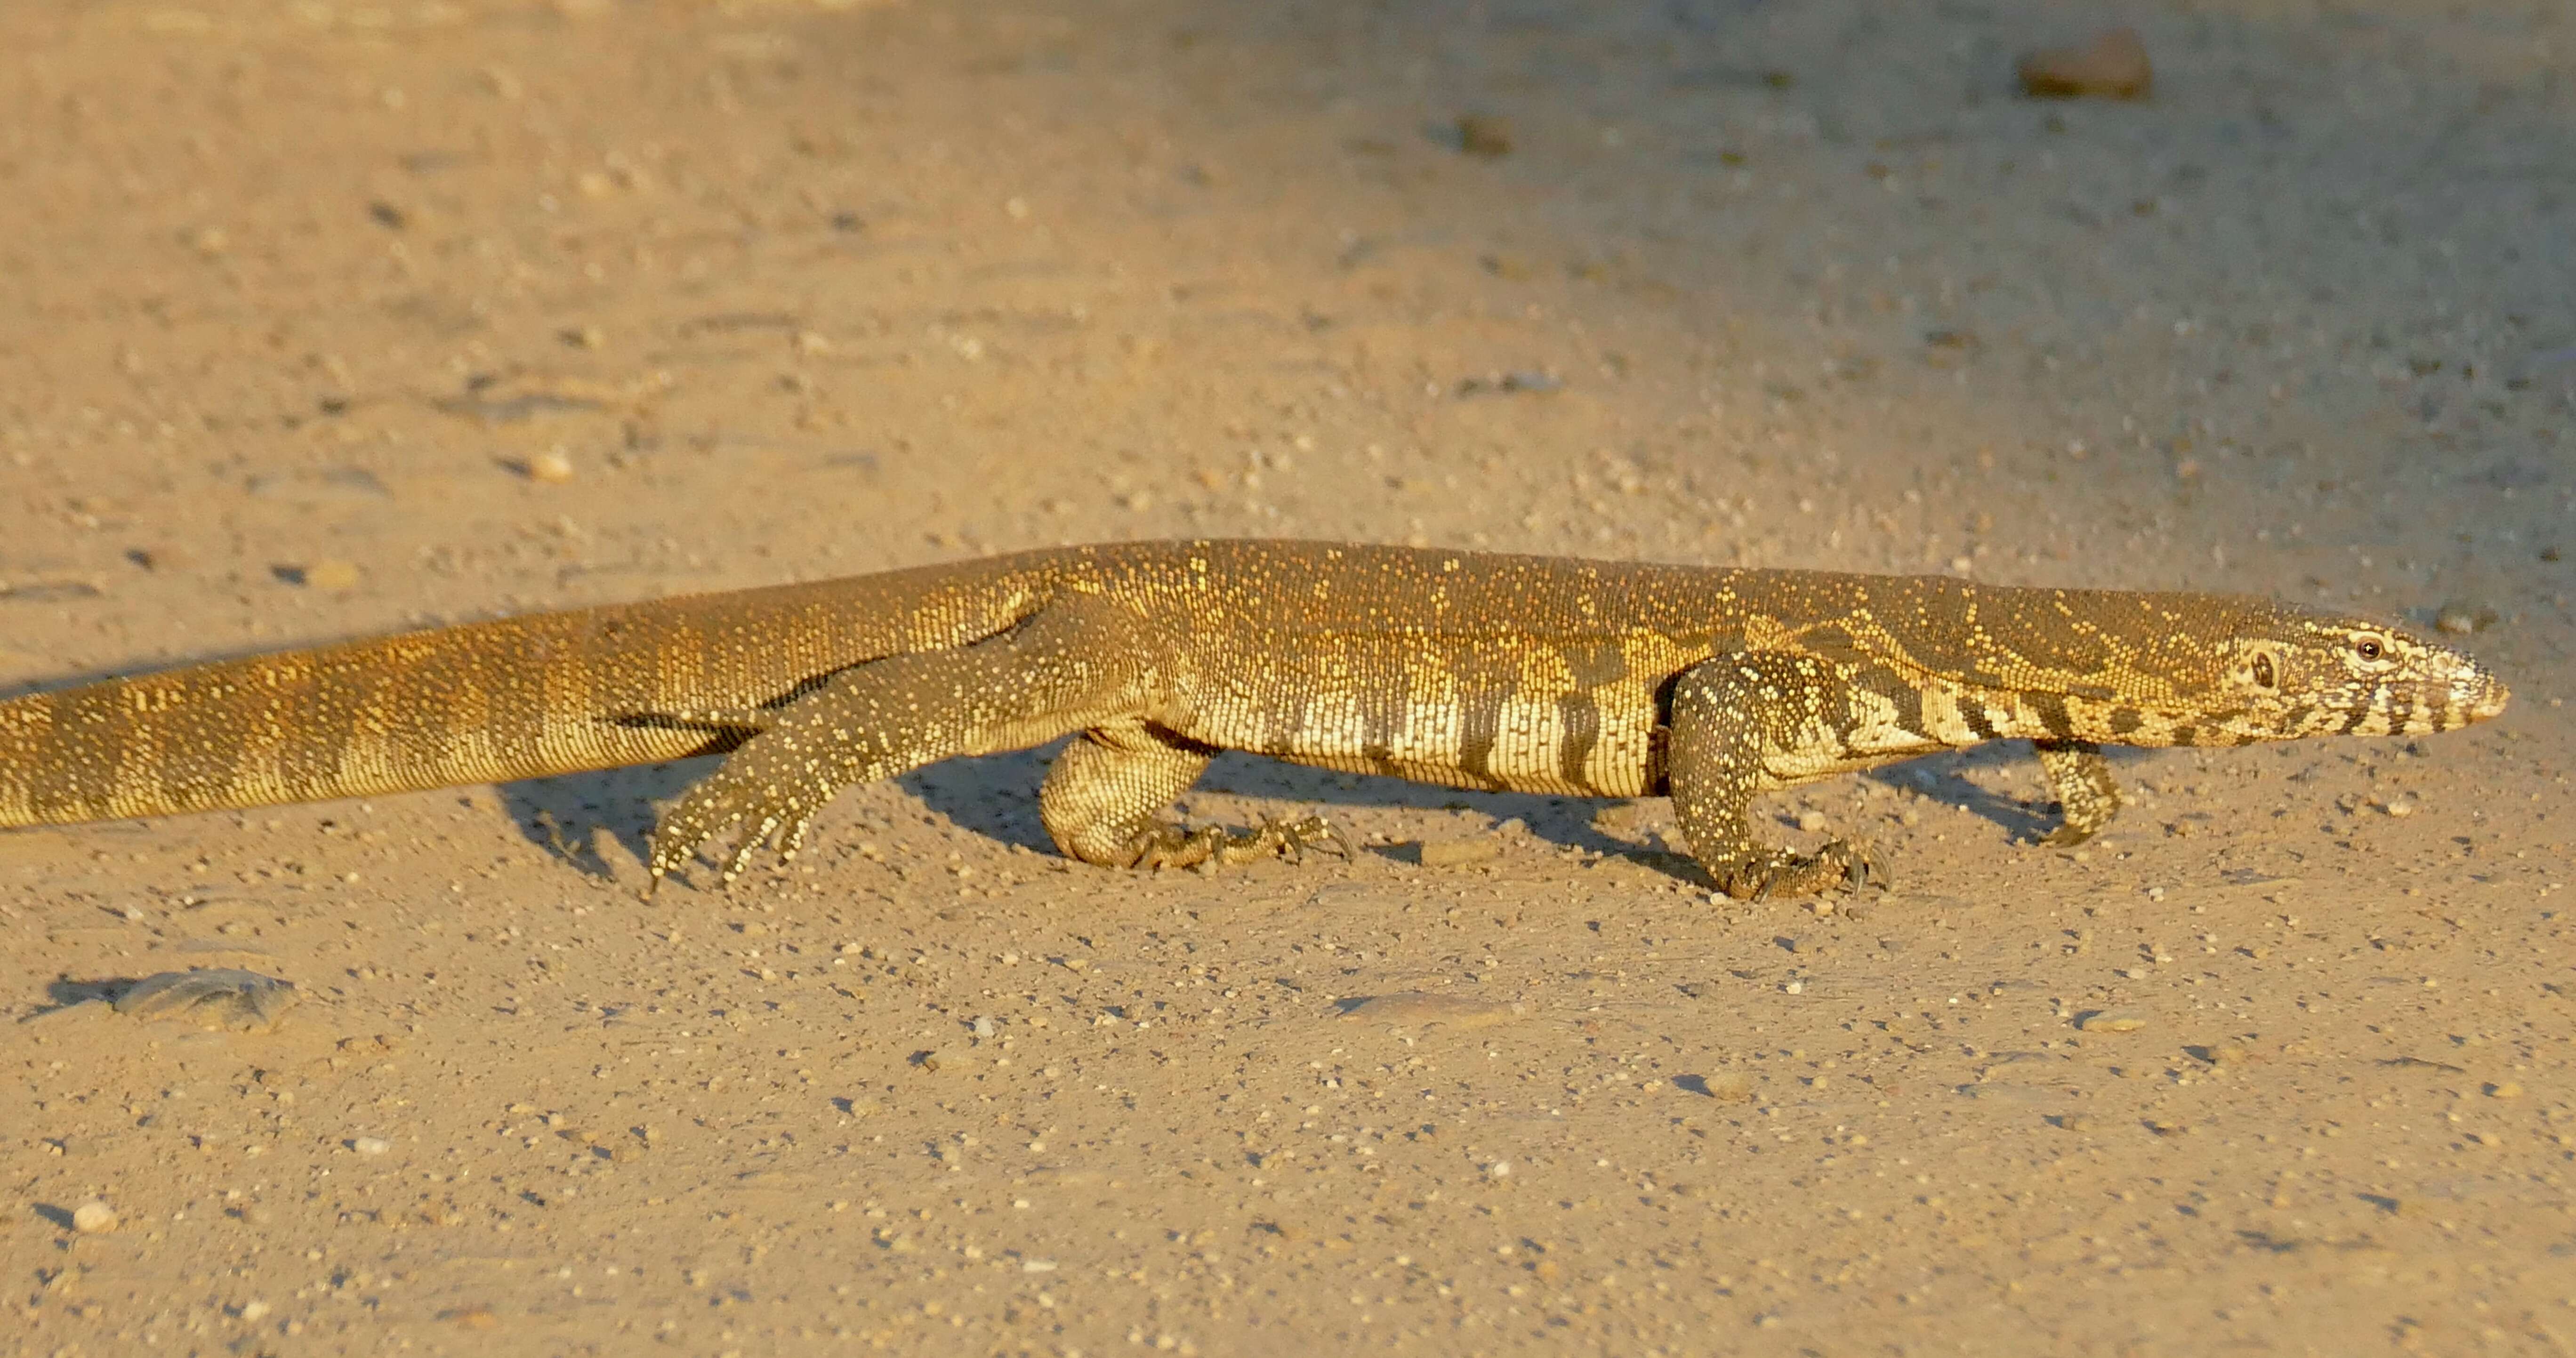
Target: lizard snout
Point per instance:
(2479, 694)
(2456, 690)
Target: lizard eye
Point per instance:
(2369, 648)
(2263, 675)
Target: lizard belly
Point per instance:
(1444, 727)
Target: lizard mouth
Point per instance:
(2480, 695)
(2457, 692)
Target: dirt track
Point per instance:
(321, 319)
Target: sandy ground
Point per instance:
(319, 319)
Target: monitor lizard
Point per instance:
(1472, 669)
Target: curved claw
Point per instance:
(1864, 868)
(1296, 836)
(1785, 873)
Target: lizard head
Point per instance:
(2139, 668)
(2310, 674)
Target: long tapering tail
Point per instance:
(520, 697)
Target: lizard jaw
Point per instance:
(2479, 694)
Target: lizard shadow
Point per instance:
(585, 819)
(996, 796)
(1947, 778)
(578, 817)
(1566, 821)
(1959, 778)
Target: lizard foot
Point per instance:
(1782, 872)
(1210, 846)
(737, 800)
(2069, 833)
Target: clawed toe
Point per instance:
(1781, 873)
(1306, 832)
(755, 817)
(1209, 847)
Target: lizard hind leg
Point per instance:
(1069, 667)
(1100, 798)
(1749, 723)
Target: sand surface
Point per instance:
(319, 319)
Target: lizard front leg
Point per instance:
(1073, 664)
(1750, 723)
(2082, 779)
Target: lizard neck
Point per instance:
(1963, 714)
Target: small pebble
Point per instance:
(1729, 1086)
(371, 1145)
(2123, 1020)
(93, 1217)
(333, 574)
(1812, 821)
(2112, 66)
(2461, 617)
(1626, 820)
(2504, 1089)
(2402, 805)
(553, 467)
(254, 1310)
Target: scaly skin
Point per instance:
(1476, 670)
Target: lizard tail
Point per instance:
(523, 697)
